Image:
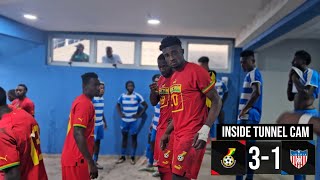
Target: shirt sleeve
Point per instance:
(120, 99)
(203, 80)
(9, 156)
(29, 108)
(255, 77)
(312, 79)
(82, 115)
(140, 98)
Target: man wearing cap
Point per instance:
(79, 55)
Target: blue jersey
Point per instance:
(221, 88)
(253, 76)
(156, 116)
(130, 105)
(98, 103)
(309, 77)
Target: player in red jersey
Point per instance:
(20, 153)
(190, 84)
(160, 92)
(22, 102)
(76, 158)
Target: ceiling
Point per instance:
(307, 31)
(210, 18)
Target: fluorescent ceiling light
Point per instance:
(153, 21)
(30, 16)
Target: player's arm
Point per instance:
(12, 173)
(104, 121)
(145, 107)
(307, 90)
(165, 138)
(256, 92)
(82, 117)
(293, 118)
(81, 141)
(290, 94)
(119, 110)
(9, 156)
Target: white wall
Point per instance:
(275, 63)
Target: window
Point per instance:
(132, 52)
(218, 54)
(115, 52)
(65, 50)
(149, 53)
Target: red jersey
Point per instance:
(165, 108)
(188, 101)
(25, 104)
(20, 145)
(82, 115)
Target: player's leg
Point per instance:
(125, 133)
(177, 177)
(149, 166)
(133, 130)
(99, 135)
(186, 160)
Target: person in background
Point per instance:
(76, 157)
(127, 107)
(100, 123)
(12, 95)
(111, 58)
(79, 55)
(250, 104)
(152, 134)
(303, 89)
(22, 102)
(204, 62)
(20, 152)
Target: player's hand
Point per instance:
(242, 113)
(105, 127)
(136, 116)
(164, 141)
(122, 115)
(154, 87)
(93, 170)
(198, 143)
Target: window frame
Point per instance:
(137, 39)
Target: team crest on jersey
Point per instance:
(178, 167)
(3, 158)
(181, 156)
(298, 158)
(175, 88)
(165, 162)
(167, 154)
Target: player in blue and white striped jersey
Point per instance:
(127, 106)
(100, 123)
(303, 90)
(250, 105)
(152, 133)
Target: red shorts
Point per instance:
(80, 172)
(186, 160)
(1, 175)
(164, 158)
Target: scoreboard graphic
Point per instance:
(264, 155)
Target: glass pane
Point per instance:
(115, 52)
(218, 54)
(65, 50)
(149, 53)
